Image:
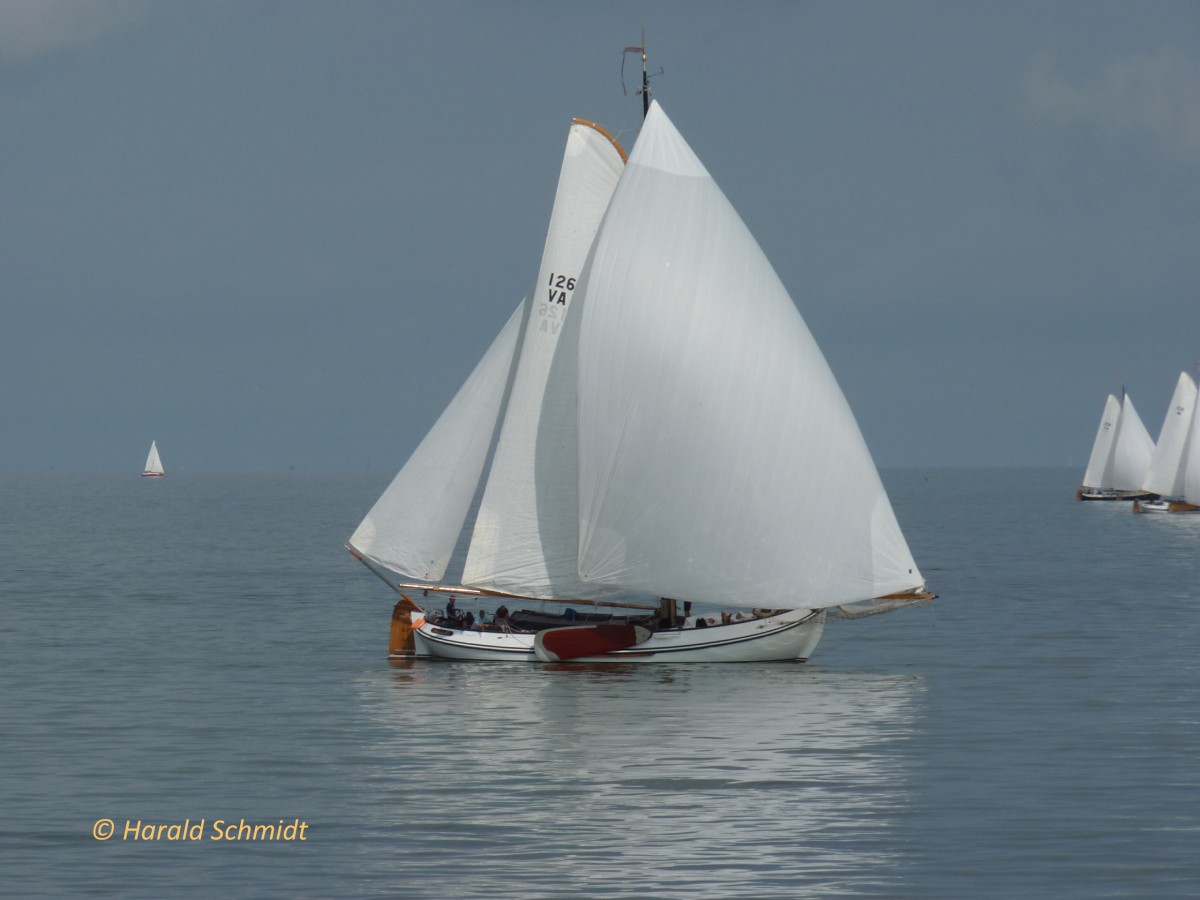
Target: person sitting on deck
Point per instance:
(501, 617)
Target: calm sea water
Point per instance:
(201, 648)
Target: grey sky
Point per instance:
(281, 233)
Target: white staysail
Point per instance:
(414, 525)
(525, 538)
(154, 464)
(719, 460)
(1168, 465)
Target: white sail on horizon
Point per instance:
(1122, 449)
(1191, 464)
(1166, 473)
(154, 464)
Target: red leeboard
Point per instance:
(574, 641)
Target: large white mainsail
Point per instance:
(1166, 473)
(719, 460)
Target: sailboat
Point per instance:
(154, 466)
(654, 429)
(1167, 475)
(1121, 454)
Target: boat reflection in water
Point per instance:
(756, 779)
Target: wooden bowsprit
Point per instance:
(575, 641)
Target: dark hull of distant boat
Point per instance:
(1096, 494)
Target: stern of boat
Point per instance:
(406, 618)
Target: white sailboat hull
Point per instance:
(789, 636)
(1166, 506)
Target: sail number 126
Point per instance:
(560, 285)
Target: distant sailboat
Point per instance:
(1171, 463)
(1120, 456)
(154, 466)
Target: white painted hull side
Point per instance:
(792, 635)
(1166, 506)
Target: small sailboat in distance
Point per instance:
(1121, 454)
(154, 466)
(1167, 476)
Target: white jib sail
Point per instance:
(154, 464)
(526, 532)
(1132, 450)
(414, 525)
(719, 460)
(1165, 475)
(1099, 468)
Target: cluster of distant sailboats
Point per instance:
(1127, 464)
